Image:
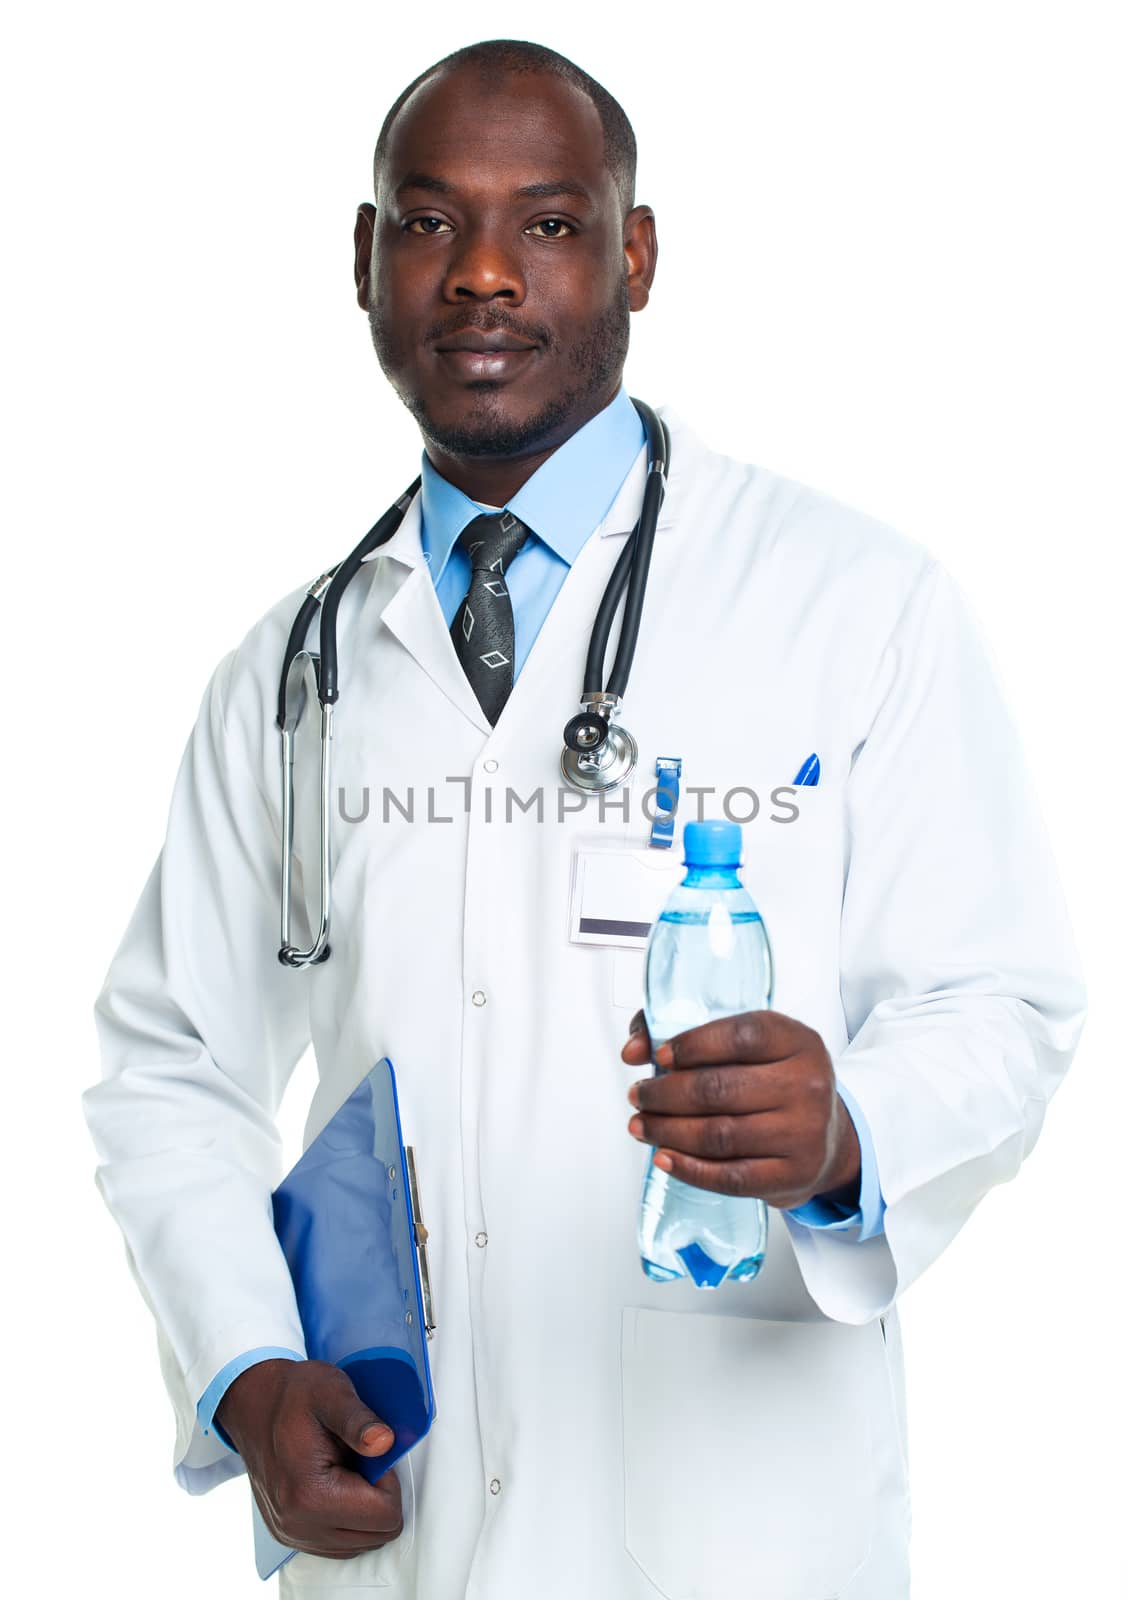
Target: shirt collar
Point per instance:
(563, 502)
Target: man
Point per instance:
(596, 1434)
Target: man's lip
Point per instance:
(485, 363)
(472, 339)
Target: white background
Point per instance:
(892, 265)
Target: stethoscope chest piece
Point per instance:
(598, 754)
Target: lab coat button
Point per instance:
(478, 998)
(490, 766)
(480, 1240)
(495, 1485)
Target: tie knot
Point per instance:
(493, 540)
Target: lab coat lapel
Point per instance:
(414, 617)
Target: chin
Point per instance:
(484, 419)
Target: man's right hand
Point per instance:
(295, 1424)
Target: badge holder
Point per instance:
(348, 1219)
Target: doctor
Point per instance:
(596, 1434)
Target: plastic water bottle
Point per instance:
(707, 956)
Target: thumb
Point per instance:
(345, 1414)
(638, 1046)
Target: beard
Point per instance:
(589, 366)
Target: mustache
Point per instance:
(490, 322)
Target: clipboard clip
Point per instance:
(420, 1238)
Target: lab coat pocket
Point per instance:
(627, 978)
(313, 1577)
(747, 1453)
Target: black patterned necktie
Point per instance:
(483, 629)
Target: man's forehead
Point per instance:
(535, 125)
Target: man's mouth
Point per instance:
(474, 354)
(478, 340)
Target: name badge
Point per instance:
(617, 893)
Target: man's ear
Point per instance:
(641, 247)
(363, 235)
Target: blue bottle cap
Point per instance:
(711, 844)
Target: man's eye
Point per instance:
(421, 225)
(556, 224)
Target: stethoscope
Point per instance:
(599, 754)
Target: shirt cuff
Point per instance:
(214, 1393)
(869, 1216)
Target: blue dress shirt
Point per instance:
(562, 503)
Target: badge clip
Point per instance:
(668, 770)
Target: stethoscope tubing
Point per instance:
(630, 572)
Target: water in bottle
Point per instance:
(707, 956)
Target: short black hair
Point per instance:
(498, 58)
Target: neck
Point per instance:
(496, 479)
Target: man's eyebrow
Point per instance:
(528, 191)
(555, 186)
(424, 180)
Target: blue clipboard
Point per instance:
(348, 1218)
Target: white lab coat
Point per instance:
(598, 1434)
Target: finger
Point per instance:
(732, 1090)
(637, 1050)
(365, 1538)
(341, 1543)
(340, 1409)
(714, 1138)
(335, 1508)
(752, 1177)
(350, 1538)
(751, 1036)
(638, 1046)
(351, 1504)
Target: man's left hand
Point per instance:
(746, 1106)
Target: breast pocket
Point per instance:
(312, 1577)
(748, 1461)
(628, 969)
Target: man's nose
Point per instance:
(484, 267)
